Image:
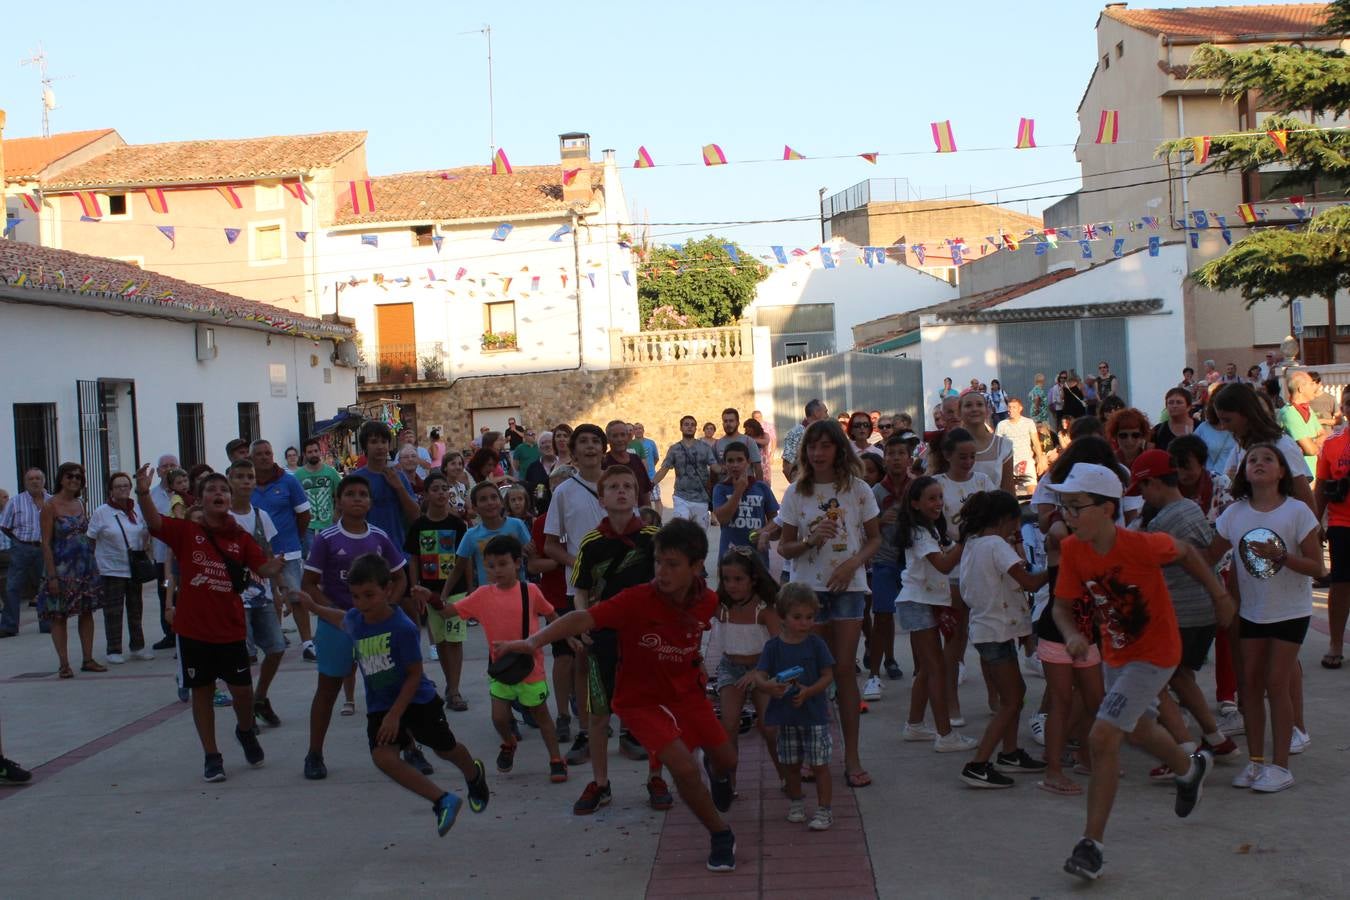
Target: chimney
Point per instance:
(575, 152)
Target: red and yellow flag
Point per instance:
(1247, 212)
(1281, 139)
(158, 202)
(1108, 127)
(362, 196)
(789, 153)
(297, 190)
(1009, 241)
(33, 202)
(500, 164)
(870, 157)
(1200, 149)
(1026, 134)
(89, 204)
(644, 159)
(570, 176)
(713, 155)
(943, 136)
(230, 195)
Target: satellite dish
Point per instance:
(346, 354)
(48, 98)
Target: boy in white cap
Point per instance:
(1116, 576)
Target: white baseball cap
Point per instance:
(1086, 478)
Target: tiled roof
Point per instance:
(468, 192)
(1225, 21)
(197, 162)
(25, 158)
(1045, 313)
(127, 288)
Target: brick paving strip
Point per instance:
(774, 859)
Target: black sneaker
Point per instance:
(629, 746)
(984, 775)
(563, 726)
(165, 643)
(658, 794)
(591, 799)
(1086, 861)
(1018, 762)
(478, 788)
(580, 751)
(446, 809)
(215, 767)
(13, 773)
(315, 770)
(893, 671)
(262, 709)
(253, 751)
(722, 794)
(1189, 788)
(413, 757)
(722, 853)
(557, 771)
(506, 758)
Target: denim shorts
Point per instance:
(995, 652)
(885, 588)
(729, 672)
(840, 606)
(1132, 693)
(291, 574)
(264, 629)
(911, 616)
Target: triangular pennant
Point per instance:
(370, 240)
(500, 164)
(297, 190)
(502, 231)
(870, 157)
(778, 254)
(231, 235)
(1118, 247)
(644, 159)
(168, 232)
(789, 153)
(1026, 134)
(89, 205)
(557, 236)
(33, 201)
(570, 176)
(303, 236)
(1200, 149)
(1154, 244)
(732, 252)
(1281, 139)
(437, 240)
(158, 201)
(362, 197)
(230, 195)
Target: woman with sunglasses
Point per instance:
(73, 586)
(860, 434)
(1128, 431)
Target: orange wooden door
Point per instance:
(397, 341)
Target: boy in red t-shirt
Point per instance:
(1119, 574)
(660, 690)
(208, 617)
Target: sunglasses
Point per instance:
(885, 427)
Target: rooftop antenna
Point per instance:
(39, 59)
(486, 31)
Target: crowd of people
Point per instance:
(1068, 537)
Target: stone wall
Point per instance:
(657, 396)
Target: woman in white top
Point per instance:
(1246, 417)
(116, 530)
(993, 454)
(831, 529)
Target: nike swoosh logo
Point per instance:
(241, 671)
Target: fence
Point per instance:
(687, 345)
(403, 364)
(847, 381)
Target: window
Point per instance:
(305, 414)
(422, 235)
(191, 435)
(265, 244)
(118, 206)
(249, 427)
(268, 197)
(499, 326)
(35, 439)
(1120, 49)
(1106, 61)
(794, 350)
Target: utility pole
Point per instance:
(486, 31)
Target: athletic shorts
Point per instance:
(994, 652)
(911, 616)
(421, 722)
(526, 693)
(1292, 631)
(264, 629)
(837, 606)
(444, 628)
(1132, 693)
(1195, 643)
(202, 662)
(336, 652)
(1338, 543)
(885, 588)
(1055, 653)
(604, 657)
(804, 745)
(695, 511)
(693, 722)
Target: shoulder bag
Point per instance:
(513, 668)
(139, 563)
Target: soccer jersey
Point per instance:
(321, 489)
(659, 645)
(208, 609)
(386, 513)
(609, 562)
(334, 551)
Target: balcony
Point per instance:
(404, 364)
(683, 347)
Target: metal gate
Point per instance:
(847, 382)
(96, 400)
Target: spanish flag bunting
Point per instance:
(1108, 127)
(506, 285)
(1009, 241)
(89, 204)
(644, 159)
(1281, 139)
(362, 197)
(21, 280)
(297, 190)
(158, 202)
(943, 136)
(789, 153)
(713, 155)
(870, 157)
(1026, 134)
(1200, 149)
(231, 197)
(500, 164)
(33, 201)
(570, 176)
(1247, 212)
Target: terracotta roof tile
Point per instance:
(61, 271)
(468, 192)
(25, 158)
(187, 162)
(1225, 21)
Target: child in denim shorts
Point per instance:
(745, 620)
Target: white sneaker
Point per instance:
(796, 811)
(822, 820)
(434, 655)
(144, 653)
(958, 721)
(1037, 728)
(1273, 780)
(1230, 720)
(917, 732)
(872, 690)
(1249, 775)
(1299, 740)
(116, 658)
(960, 673)
(954, 742)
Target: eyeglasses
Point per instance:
(1068, 509)
(1129, 435)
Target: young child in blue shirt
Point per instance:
(401, 703)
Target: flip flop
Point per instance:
(65, 672)
(458, 703)
(1066, 789)
(1332, 661)
(92, 665)
(858, 779)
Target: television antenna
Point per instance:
(39, 59)
(486, 31)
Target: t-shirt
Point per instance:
(432, 547)
(553, 583)
(1184, 521)
(1021, 434)
(639, 469)
(956, 493)
(524, 456)
(258, 594)
(1219, 443)
(1291, 420)
(1323, 406)
(335, 548)
(1333, 463)
(852, 507)
(573, 513)
(1128, 595)
(659, 645)
(889, 554)
(1292, 453)
(813, 656)
(384, 651)
(647, 452)
(1283, 594)
(385, 512)
(998, 604)
(476, 538)
(498, 610)
(757, 508)
(321, 489)
(608, 563)
(691, 463)
(792, 442)
(751, 448)
(921, 582)
(208, 609)
(282, 499)
(989, 461)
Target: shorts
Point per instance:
(446, 629)
(729, 672)
(421, 722)
(562, 608)
(840, 606)
(264, 629)
(202, 662)
(1132, 693)
(1292, 631)
(1048, 651)
(885, 588)
(336, 652)
(290, 574)
(1338, 543)
(526, 693)
(604, 657)
(995, 652)
(656, 493)
(911, 616)
(695, 511)
(1195, 643)
(693, 722)
(804, 745)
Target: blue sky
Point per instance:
(828, 79)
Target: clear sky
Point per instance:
(828, 79)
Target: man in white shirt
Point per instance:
(20, 521)
(1028, 460)
(162, 498)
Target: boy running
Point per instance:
(262, 612)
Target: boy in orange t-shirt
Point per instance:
(1119, 573)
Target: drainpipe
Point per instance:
(576, 279)
(1185, 188)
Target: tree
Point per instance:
(1277, 262)
(702, 280)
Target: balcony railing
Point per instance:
(404, 363)
(685, 346)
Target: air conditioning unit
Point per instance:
(206, 343)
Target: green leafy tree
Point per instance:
(1276, 262)
(701, 281)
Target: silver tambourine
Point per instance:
(1258, 566)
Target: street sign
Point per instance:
(1296, 311)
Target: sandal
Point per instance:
(458, 703)
(348, 708)
(858, 779)
(65, 672)
(1332, 661)
(92, 665)
(1065, 788)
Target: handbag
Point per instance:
(141, 566)
(239, 579)
(513, 668)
